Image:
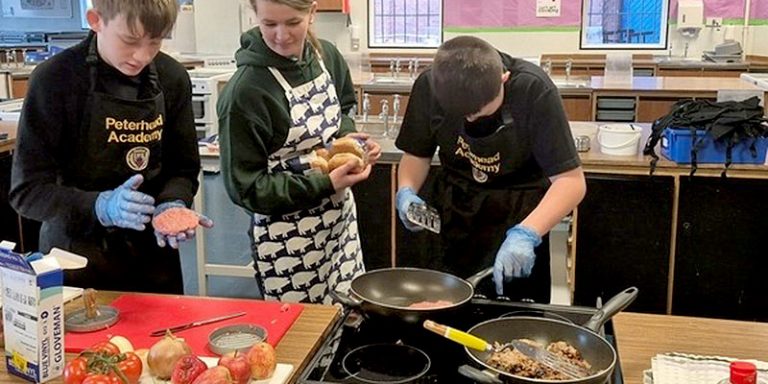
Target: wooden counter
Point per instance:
(641, 336)
(9, 143)
(298, 345)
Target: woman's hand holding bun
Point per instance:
(343, 176)
(372, 148)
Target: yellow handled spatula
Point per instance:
(461, 337)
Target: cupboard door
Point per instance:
(720, 262)
(374, 216)
(623, 235)
(329, 5)
(19, 88)
(578, 107)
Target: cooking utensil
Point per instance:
(192, 324)
(594, 348)
(389, 292)
(424, 216)
(549, 359)
(537, 354)
(460, 337)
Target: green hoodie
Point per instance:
(254, 120)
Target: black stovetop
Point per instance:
(446, 356)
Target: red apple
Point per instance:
(187, 369)
(214, 375)
(263, 361)
(238, 366)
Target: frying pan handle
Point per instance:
(615, 305)
(478, 375)
(345, 299)
(478, 277)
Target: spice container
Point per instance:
(742, 372)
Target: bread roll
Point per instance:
(322, 152)
(319, 163)
(348, 145)
(340, 159)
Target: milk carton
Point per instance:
(33, 316)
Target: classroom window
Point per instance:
(620, 24)
(405, 23)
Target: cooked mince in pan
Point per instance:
(514, 362)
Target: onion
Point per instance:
(164, 354)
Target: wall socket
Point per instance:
(714, 22)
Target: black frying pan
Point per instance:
(390, 291)
(593, 347)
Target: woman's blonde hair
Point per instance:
(301, 6)
(155, 16)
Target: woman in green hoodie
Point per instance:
(292, 94)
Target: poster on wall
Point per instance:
(54, 9)
(547, 8)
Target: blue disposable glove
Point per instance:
(515, 257)
(403, 199)
(174, 240)
(124, 206)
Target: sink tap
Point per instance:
(395, 107)
(392, 67)
(397, 67)
(547, 66)
(384, 115)
(410, 69)
(10, 58)
(366, 106)
(568, 67)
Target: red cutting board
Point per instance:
(141, 314)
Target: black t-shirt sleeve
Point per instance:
(416, 137)
(553, 146)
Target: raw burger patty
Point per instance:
(175, 220)
(431, 304)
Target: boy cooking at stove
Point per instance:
(509, 170)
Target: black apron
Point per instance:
(118, 138)
(480, 194)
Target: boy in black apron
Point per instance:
(509, 170)
(106, 141)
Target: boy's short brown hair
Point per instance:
(155, 16)
(466, 75)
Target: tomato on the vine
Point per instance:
(130, 367)
(76, 371)
(100, 364)
(99, 379)
(104, 346)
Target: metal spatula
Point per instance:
(424, 216)
(550, 360)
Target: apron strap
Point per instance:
(284, 83)
(280, 79)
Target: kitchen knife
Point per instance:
(181, 327)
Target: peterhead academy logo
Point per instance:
(137, 158)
